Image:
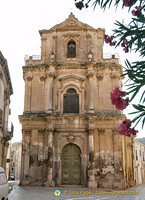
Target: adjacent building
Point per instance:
(69, 126)
(5, 92)
(139, 160)
(15, 160)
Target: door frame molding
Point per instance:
(80, 160)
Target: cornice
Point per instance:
(35, 66)
(107, 64)
(91, 117)
(71, 66)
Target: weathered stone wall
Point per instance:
(5, 93)
(106, 157)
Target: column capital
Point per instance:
(114, 75)
(101, 130)
(50, 129)
(52, 74)
(91, 130)
(42, 77)
(27, 131)
(100, 76)
(90, 74)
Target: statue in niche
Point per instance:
(52, 56)
(90, 56)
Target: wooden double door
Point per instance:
(71, 165)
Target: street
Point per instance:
(44, 193)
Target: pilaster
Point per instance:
(90, 76)
(50, 182)
(49, 90)
(91, 168)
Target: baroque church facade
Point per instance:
(69, 126)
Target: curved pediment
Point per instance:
(71, 76)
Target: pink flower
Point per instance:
(126, 41)
(133, 12)
(116, 93)
(127, 122)
(133, 131)
(137, 12)
(117, 100)
(124, 128)
(121, 104)
(127, 2)
(139, 8)
(107, 39)
(125, 49)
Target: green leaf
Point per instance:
(142, 96)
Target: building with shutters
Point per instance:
(69, 125)
(139, 160)
(15, 160)
(6, 91)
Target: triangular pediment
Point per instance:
(71, 23)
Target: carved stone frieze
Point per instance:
(101, 130)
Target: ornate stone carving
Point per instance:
(114, 75)
(101, 130)
(100, 76)
(69, 121)
(29, 78)
(90, 74)
(27, 131)
(70, 138)
(52, 57)
(90, 56)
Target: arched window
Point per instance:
(71, 49)
(71, 101)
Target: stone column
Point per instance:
(49, 90)
(24, 179)
(50, 182)
(28, 90)
(1, 91)
(90, 93)
(43, 48)
(0, 151)
(91, 182)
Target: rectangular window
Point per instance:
(71, 103)
(136, 155)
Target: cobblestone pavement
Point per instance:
(43, 193)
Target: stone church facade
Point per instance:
(69, 125)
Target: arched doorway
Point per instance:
(71, 165)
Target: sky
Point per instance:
(20, 22)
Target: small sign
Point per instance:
(57, 193)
